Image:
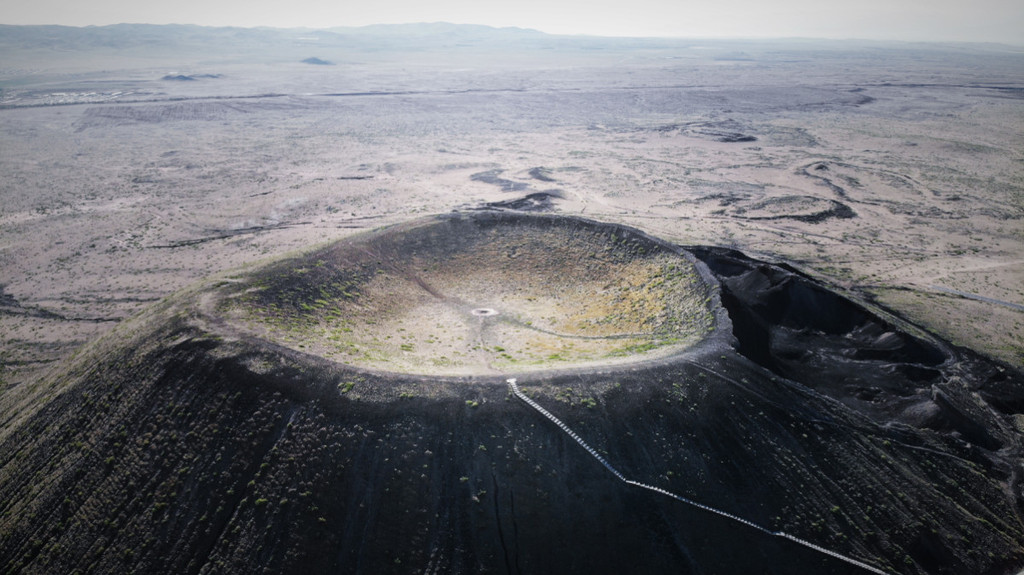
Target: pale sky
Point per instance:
(911, 20)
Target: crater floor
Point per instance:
(482, 293)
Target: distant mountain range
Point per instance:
(126, 36)
(174, 41)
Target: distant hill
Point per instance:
(124, 36)
(190, 77)
(441, 29)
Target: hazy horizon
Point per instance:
(941, 21)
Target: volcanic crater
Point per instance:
(489, 293)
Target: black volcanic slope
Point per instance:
(199, 438)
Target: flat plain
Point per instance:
(138, 160)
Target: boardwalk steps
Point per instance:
(518, 393)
